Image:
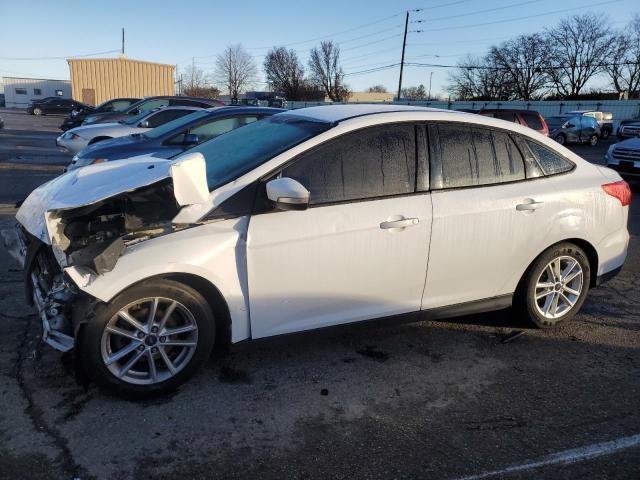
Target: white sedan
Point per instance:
(311, 218)
(74, 140)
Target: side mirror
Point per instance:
(568, 125)
(190, 139)
(288, 194)
(189, 174)
(144, 124)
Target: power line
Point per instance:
(504, 7)
(61, 58)
(520, 18)
(334, 34)
(371, 70)
(541, 68)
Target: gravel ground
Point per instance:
(423, 400)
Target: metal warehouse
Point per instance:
(19, 92)
(94, 81)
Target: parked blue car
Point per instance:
(173, 137)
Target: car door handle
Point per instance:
(529, 204)
(405, 222)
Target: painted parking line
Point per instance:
(565, 457)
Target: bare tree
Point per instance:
(579, 46)
(326, 72)
(377, 89)
(414, 93)
(235, 69)
(624, 64)
(479, 79)
(524, 60)
(197, 84)
(285, 73)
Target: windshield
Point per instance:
(177, 123)
(235, 153)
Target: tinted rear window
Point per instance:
(533, 120)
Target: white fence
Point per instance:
(621, 109)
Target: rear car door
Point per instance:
(489, 210)
(359, 251)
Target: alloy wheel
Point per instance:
(149, 341)
(558, 287)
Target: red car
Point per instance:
(528, 118)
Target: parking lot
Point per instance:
(444, 400)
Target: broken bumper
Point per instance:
(52, 296)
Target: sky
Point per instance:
(369, 33)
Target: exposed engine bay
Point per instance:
(92, 236)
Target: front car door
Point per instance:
(360, 250)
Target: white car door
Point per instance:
(488, 224)
(359, 251)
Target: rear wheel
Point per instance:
(149, 339)
(593, 140)
(560, 138)
(605, 133)
(555, 286)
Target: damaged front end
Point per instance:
(53, 234)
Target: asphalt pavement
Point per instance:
(429, 400)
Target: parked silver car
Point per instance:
(604, 119)
(74, 140)
(624, 157)
(571, 128)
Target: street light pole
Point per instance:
(430, 77)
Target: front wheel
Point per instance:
(37, 111)
(593, 140)
(555, 286)
(149, 339)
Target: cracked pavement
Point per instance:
(381, 400)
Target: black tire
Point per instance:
(605, 133)
(525, 299)
(38, 112)
(91, 340)
(593, 140)
(560, 138)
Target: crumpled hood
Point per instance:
(86, 186)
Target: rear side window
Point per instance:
(533, 120)
(475, 156)
(508, 116)
(551, 162)
(374, 162)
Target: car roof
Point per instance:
(508, 110)
(245, 109)
(338, 113)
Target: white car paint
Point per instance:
(296, 270)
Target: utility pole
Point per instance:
(430, 77)
(404, 44)
(122, 52)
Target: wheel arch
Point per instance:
(589, 249)
(99, 139)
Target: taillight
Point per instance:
(619, 190)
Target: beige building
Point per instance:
(96, 80)
(370, 97)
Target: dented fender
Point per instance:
(215, 252)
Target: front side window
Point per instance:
(472, 156)
(152, 105)
(375, 162)
(549, 160)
